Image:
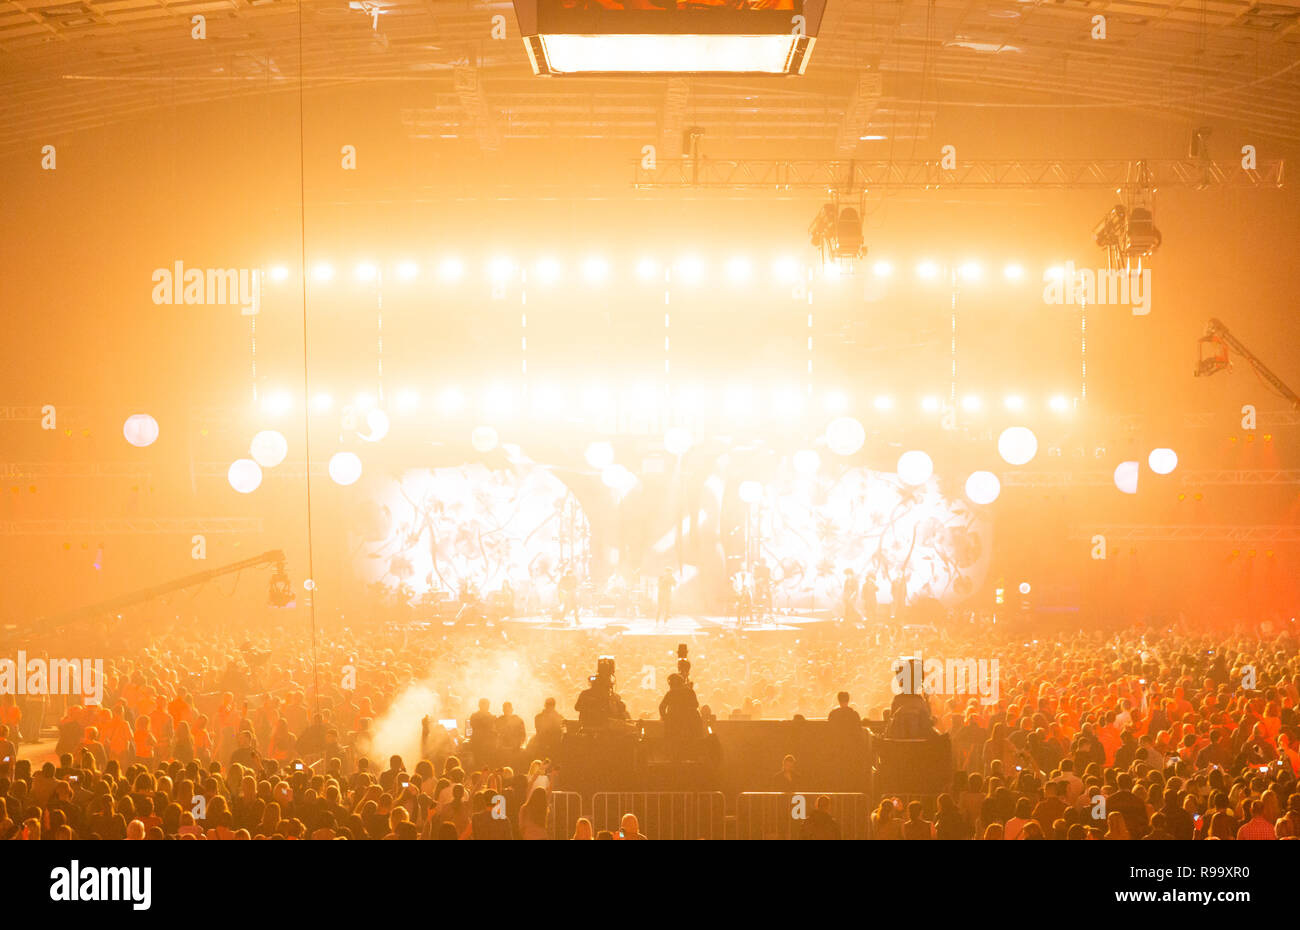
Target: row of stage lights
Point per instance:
(596, 270)
(502, 402)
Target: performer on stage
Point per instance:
(569, 595)
(763, 588)
(667, 581)
(849, 595)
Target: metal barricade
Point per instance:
(774, 815)
(662, 815)
(565, 809)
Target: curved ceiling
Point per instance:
(880, 68)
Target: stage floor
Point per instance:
(677, 626)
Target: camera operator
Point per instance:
(599, 706)
(680, 711)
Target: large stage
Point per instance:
(676, 627)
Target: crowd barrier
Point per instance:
(566, 808)
(662, 815)
(772, 815)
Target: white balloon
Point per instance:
(845, 435)
(618, 478)
(245, 476)
(483, 439)
(140, 430)
(983, 487)
(915, 467)
(677, 440)
(1017, 445)
(1126, 477)
(377, 422)
(1162, 461)
(345, 468)
(600, 455)
(268, 448)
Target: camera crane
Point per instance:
(273, 557)
(1221, 340)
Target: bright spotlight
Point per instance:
(277, 403)
(366, 272)
(500, 268)
(451, 269)
(548, 271)
(1162, 461)
(882, 269)
(600, 455)
(751, 492)
(1024, 587)
(498, 401)
(883, 402)
(786, 270)
(548, 401)
(407, 270)
(451, 401)
(971, 271)
(322, 272)
(690, 269)
(831, 270)
(931, 404)
(279, 273)
(836, 402)
(321, 403)
(646, 269)
(1013, 272)
(739, 269)
(1055, 273)
(595, 270)
(597, 400)
(738, 402)
(787, 402)
(970, 403)
(1059, 402)
(677, 440)
(407, 400)
(927, 270)
(1014, 402)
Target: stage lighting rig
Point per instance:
(1128, 231)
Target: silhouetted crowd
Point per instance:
(402, 733)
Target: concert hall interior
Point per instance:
(368, 361)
